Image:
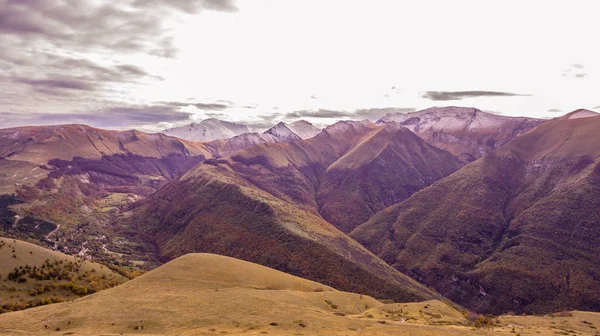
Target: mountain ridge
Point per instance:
(466, 132)
(525, 214)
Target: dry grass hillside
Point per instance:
(214, 210)
(514, 231)
(31, 275)
(204, 294)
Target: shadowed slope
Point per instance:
(262, 204)
(386, 167)
(517, 230)
(348, 172)
(212, 209)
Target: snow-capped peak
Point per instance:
(303, 129)
(207, 130)
(282, 132)
(449, 118)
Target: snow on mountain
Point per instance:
(464, 131)
(347, 125)
(207, 130)
(451, 118)
(276, 134)
(282, 133)
(303, 129)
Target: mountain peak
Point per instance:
(345, 125)
(467, 132)
(282, 132)
(207, 130)
(580, 113)
(304, 129)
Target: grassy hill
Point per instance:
(204, 294)
(513, 231)
(31, 275)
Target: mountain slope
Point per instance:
(303, 129)
(33, 276)
(208, 294)
(74, 178)
(36, 147)
(514, 231)
(42, 143)
(386, 167)
(212, 209)
(279, 133)
(207, 130)
(205, 293)
(264, 204)
(468, 133)
(354, 168)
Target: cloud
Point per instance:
(115, 117)
(261, 123)
(371, 114)
(83, 75)
(51, 85)
(86, 24)
(377, 113)
(70, 56)
(201, 106)
(458, 95)
(190, 6)
(554, 111)
(575, 70)
(321, 113)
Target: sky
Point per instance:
(154, 64)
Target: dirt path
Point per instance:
(17, 219)
(53, 231)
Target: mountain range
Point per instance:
(516, 230)
(468, 133)
(214, 129)
(487, 212)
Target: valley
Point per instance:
(267, 167)
(427, 213)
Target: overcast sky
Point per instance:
(152, 64)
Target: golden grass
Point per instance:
(205, 294)
(34, 255)
(58, 277)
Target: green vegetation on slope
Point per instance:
(32, 276)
